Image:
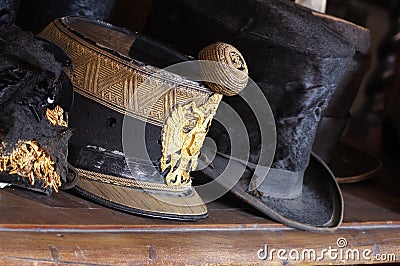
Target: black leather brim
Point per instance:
(351, 164)
(319, 209)
(140, 202)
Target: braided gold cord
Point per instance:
(231, 73)
(113, 180)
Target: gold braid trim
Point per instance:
(119, 181)
(29, 160)
(115, 81)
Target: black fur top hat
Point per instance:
(137, 130)
(298, 61)
(34, 94)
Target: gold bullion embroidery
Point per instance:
(231, 73)
(56, 117)
(29, 160)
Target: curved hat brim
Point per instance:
(351, 164)
(319, 208)
(187, 207)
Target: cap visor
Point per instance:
(189, 207)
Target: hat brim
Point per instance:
(319, 208)
(189, 207)
(351, 164)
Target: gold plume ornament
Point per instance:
(29, 160)
(183, 135)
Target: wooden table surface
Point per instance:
(65, 229)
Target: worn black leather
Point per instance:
(104, 142)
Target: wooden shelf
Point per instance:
(67, 229)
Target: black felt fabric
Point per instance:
(18, 124)
(320, 207)
(315, 207)
(31, 73)
(295, 58)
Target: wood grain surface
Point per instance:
(65, 229)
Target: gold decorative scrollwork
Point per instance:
(182, 138)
